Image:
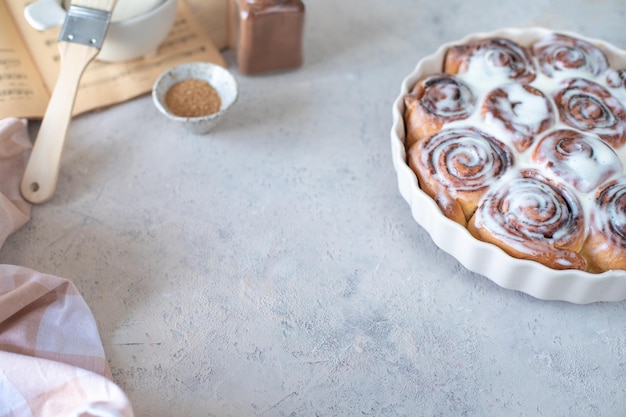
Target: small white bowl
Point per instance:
(217, 76)
(127, 39)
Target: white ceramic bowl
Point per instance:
(218, 77)
(127, 39)
(483, 258)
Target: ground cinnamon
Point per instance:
(192, 98)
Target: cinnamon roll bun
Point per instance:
(434, 101)
(605, 247)
(588, 106)
(558, 52)
(493, 58)
(531, 217)
(457, 166)
(520, 111)
(580, 159)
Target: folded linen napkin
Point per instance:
(52, 362)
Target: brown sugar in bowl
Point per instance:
(192, 98)
(195, 94)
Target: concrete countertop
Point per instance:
(271, 268)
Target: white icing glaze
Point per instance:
(495, 75)
(529, 110)
(612, 213)
(518, 110)
(533, 211)
(482, 78)
(582, 160)
(453, 100)
(586, 169)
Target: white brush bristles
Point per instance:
(106, 5)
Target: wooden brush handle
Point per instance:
(42, 171)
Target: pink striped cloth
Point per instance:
(52, 362)
(14, 150)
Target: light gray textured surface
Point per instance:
(271, 268)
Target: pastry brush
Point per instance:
(80, 40)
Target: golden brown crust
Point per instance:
(605, 247)
(434, 101)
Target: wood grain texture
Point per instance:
(40, 178)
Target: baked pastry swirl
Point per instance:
(531, 217)
(523, 144)
(588, 106)
(559, 52)
(457, 166)
(434, 101)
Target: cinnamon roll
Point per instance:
(457, 166)
(580, 159)
(493, 57)
(605, 247)
(531, 217)
(434, 101)
(588, 106)
(520, 111)
(559, 52)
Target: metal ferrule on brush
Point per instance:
(85, 25)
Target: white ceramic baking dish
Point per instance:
(483, 258)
